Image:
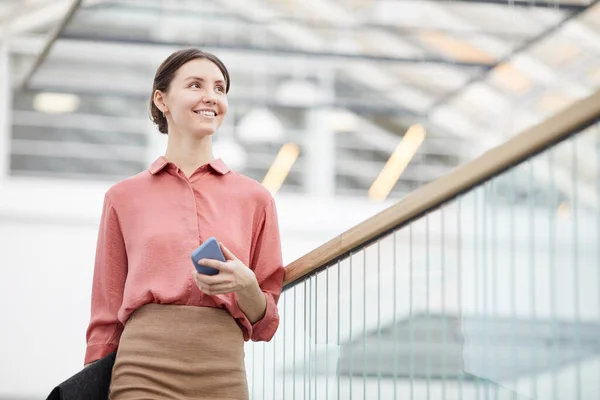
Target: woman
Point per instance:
(179, 334)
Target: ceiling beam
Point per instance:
(32, 16)
(527, 44)
(242, 20)
(52, 38)
(523, 3)
(279, 51)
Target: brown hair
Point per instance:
(166, 72)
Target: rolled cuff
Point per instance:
(262, 330)
(95, 352)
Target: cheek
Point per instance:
(184, 103)
(224, 106)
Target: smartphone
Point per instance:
(210, 249)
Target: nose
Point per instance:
(209, 98)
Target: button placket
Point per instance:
(195, 296)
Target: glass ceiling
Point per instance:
(473, 73)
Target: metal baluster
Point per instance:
(410, 313)
(327, 333)
(316, 333)
(351, 347)
(575, 177)
(513, 272)
(304, 341)
(459, 285)
(552, 256)
(284, 367)
(264, 371)
(253, 371)
(532, 273)
(494, 266)
(338, 331)
(378, 320)
(364, 345)
(294, 351)
(275, 340)
(484, 265)
(443, 290)
(395, 328)
(428, 317)
(476, 269)
(308, 336)
(598, 218)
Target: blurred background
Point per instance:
(340, 107)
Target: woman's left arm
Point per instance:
(253, 302)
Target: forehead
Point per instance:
(201, 68)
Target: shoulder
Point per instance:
(124, 189)
(253, 190)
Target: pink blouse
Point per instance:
(150, 225)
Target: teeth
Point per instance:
(207, 113)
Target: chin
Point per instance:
(203, 132)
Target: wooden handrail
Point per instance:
(574, 119)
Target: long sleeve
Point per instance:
(267, 264)
(110, 271)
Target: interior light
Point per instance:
(342, 121)
(287, 156)
(511, 78)
(563, 211)
(56, 103)
(397, 163)
(458, 50)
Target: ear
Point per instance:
(159, 101)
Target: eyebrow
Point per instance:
(197, 78)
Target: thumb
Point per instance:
(227, 253)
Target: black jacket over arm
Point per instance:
(90, 383)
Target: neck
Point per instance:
(189, 153)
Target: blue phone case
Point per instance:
(209, 249)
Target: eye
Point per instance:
(220, 89)
(195, 85)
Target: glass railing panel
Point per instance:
(493, 295)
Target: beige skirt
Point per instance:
(180, 352)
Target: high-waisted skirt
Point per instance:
(179, 352)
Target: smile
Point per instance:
(206, 113)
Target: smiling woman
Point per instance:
(188, 81)
(179, 334)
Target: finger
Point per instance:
(223, 288)
(209, 280)
(227, 253)
(220, 289)
(208, 262)
(204, 287)
(218, 265)
(199, 278)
